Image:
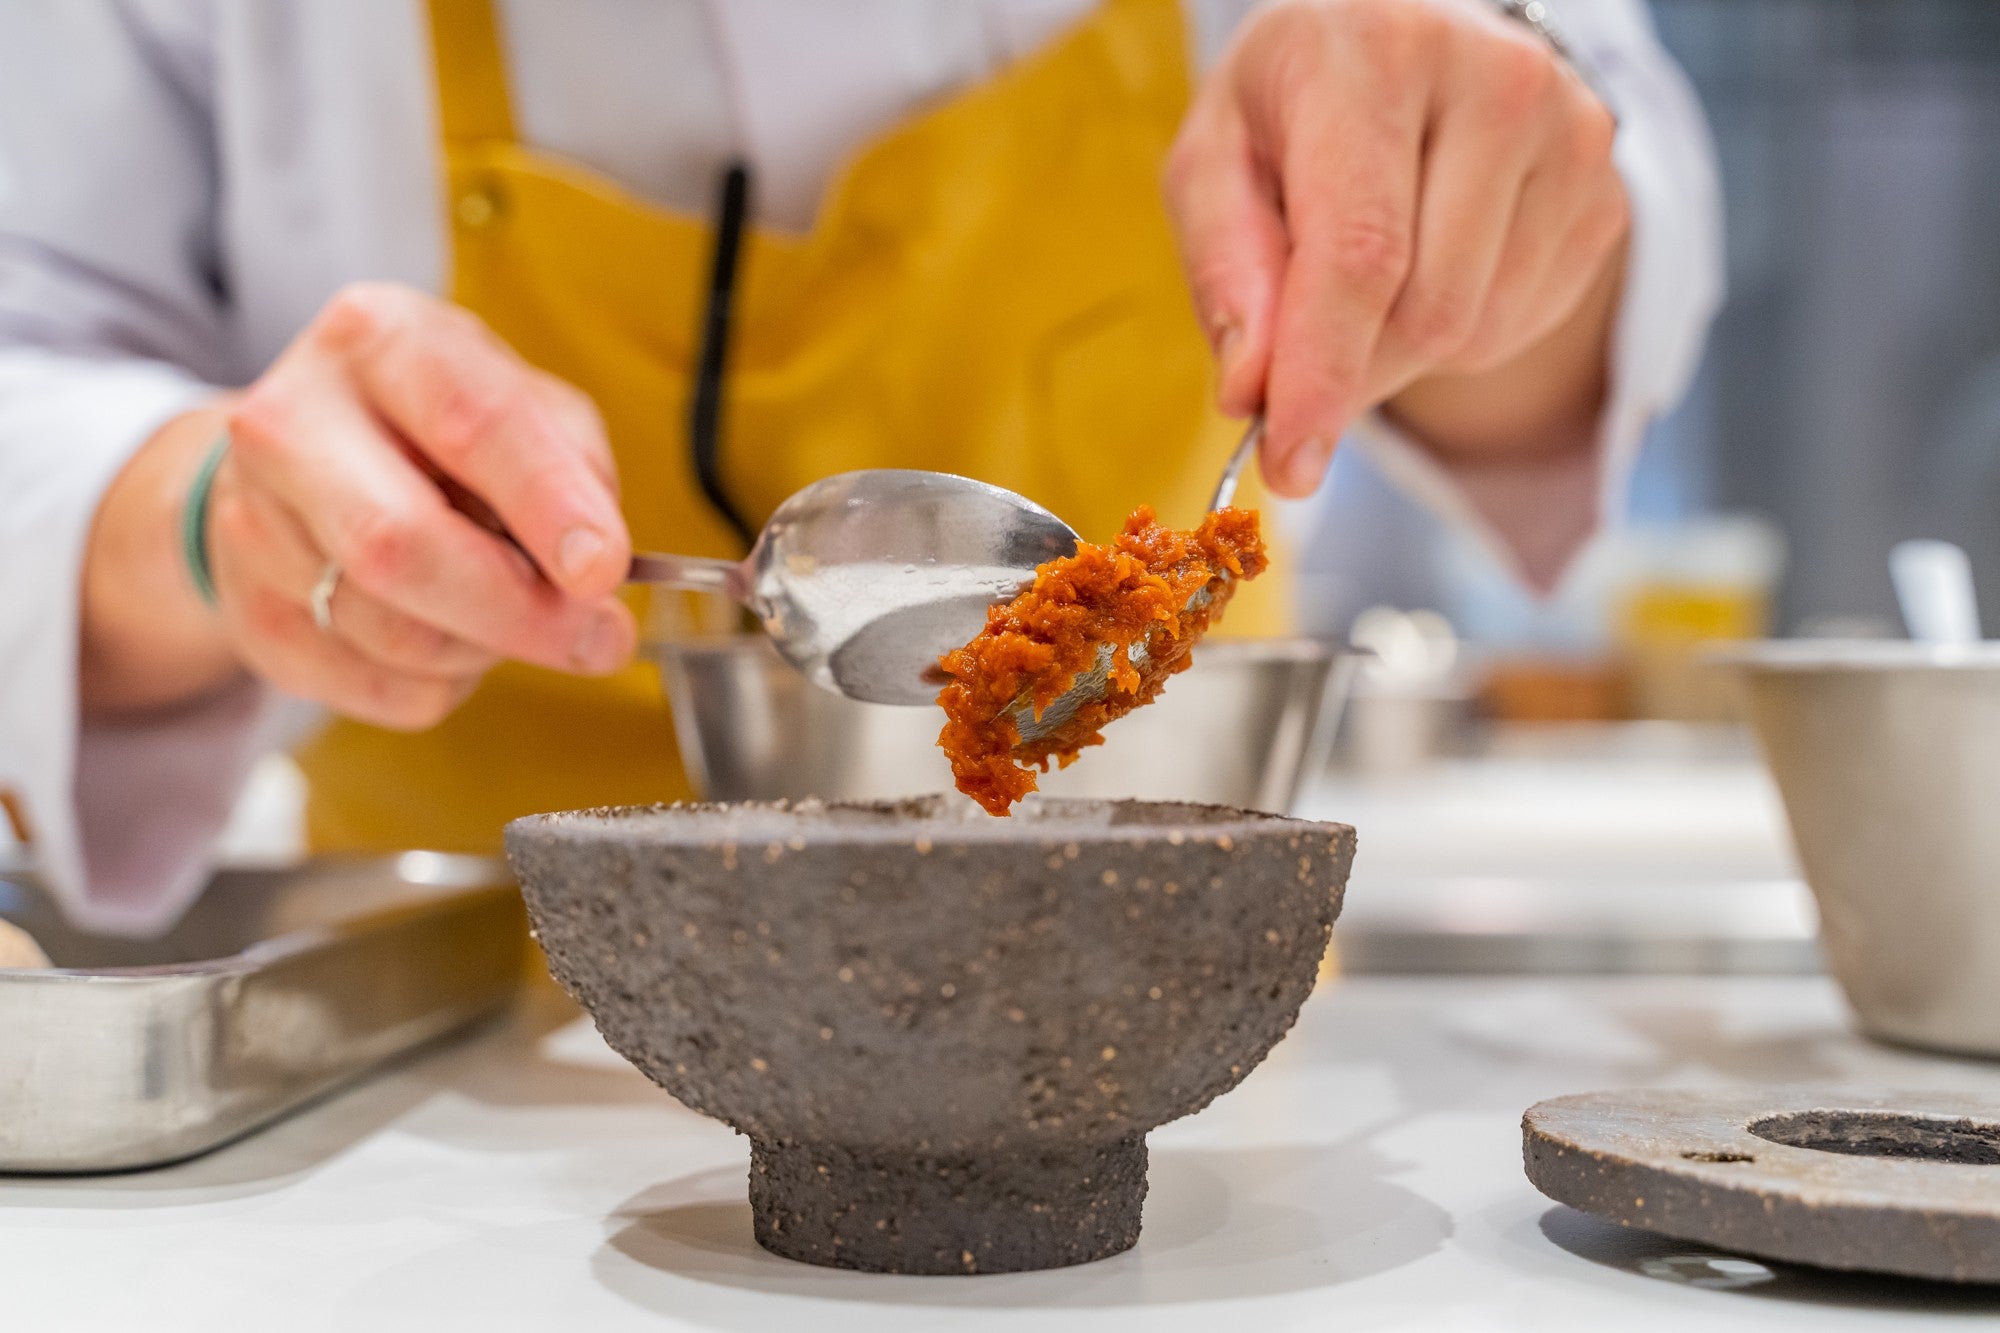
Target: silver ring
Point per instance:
(321, 600)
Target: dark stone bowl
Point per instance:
(945, 1035)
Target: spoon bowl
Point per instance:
(865, 579)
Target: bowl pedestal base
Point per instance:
(885, 1212)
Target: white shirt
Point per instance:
(184, 182)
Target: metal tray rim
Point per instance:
(478, 873)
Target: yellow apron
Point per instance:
(991, 289)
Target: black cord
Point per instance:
(705, 412)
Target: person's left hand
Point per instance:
(1372, 192)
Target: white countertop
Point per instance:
(1642, 845)
(1367, 1177)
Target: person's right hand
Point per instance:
(341, 455)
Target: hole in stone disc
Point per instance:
(1693, 1155)
(1902, 1134)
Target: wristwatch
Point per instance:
(1539, 20)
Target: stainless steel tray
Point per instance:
(278, 986)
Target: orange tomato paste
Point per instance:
(1140, 589)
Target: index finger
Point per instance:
(1224, 207)
(1349, 150)
(486, 419)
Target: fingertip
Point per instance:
(592, 558)
(579, 553)
(1308, 466)
(1311, 402)
(1295, 472)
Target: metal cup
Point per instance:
(1241, 727)
(1888, 757)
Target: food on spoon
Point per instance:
(1144, 590)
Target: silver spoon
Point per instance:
(864, 580)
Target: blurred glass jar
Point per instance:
(1683, 590)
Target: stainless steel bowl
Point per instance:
(1888, 758)
(1241, 727)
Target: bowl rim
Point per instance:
(1774, 656)
(595, 824)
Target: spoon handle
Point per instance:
(692, 572)
(1934, 587)
(1225, 489)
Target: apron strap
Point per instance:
(471, 66)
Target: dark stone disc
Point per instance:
(1861, 1179)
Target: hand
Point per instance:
(1372, 194)
(342, 453)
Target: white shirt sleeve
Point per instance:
(110, 311)
(1535, 518)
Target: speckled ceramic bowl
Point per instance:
(945, 1035)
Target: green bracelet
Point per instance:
(194, 521)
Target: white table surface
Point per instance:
(1668, 841)
(1367, 1177)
